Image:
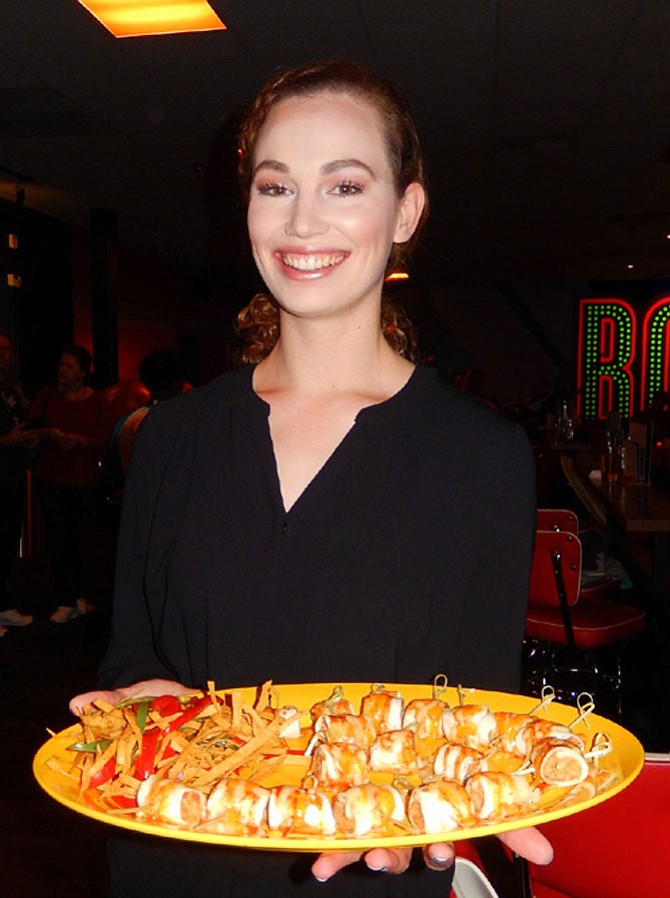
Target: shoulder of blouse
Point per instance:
(432, 390)
(173, 416)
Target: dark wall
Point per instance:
(39, 314)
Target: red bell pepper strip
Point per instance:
(145, 762)
(103, 775)
(122, 801)
(198, 706)
(166, 705)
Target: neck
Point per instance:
(319, 361)
(73, 391)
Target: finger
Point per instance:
(439, 856)
(530, 844)
(79, 702)
(328, 864)
(388, 860)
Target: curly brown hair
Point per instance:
(257, 330)
(257, 325)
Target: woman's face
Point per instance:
(324, 210)
(69, 372)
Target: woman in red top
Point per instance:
(74, 431)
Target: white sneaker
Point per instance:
(14, 618)
(65, 613)
(84, 607)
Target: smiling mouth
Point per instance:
(312, 262)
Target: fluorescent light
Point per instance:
(137, 18)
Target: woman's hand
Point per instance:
(139, 690)
(18, 436)
(439, 856)
(528, 843)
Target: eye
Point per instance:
(272, 188)
(348, 188)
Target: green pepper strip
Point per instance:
(142, 714)
(90, 746)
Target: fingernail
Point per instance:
(379, 869)
(440, 861)
(321, 879)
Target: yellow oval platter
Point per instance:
(627, 756)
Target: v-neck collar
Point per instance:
(377, 411)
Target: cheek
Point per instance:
(261, 225)
(254, 234)
(373, 226)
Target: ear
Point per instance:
(409, 213)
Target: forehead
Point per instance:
(330, 125)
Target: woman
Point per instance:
(332, 513)
(74, 428)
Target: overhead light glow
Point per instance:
(140, 18)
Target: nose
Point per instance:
(306, 218)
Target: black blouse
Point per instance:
(407, 556)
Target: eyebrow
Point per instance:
(337, 164)
(271, 164)
(327, 169)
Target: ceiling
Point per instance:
(546, 123)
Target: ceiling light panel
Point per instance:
(140, 18)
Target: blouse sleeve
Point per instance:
(492, 631)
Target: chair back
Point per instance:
(617, 849)
(557, 563)
(557, 519)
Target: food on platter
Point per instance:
(292, 810)
(384, 707)
(559, 762)
(457, 762)
(170, 801)
(440, 807)
(495, 794)
(473, 726)
(224, 764)
(236, 805)
(338, 764)
(395, 752)
(334, 704)
(424, 717)
(368, 808)
(356, 729)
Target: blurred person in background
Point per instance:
(74, 428)
(16, 445)
(160, 371)
(160, 376)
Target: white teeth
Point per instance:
(312, 263)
